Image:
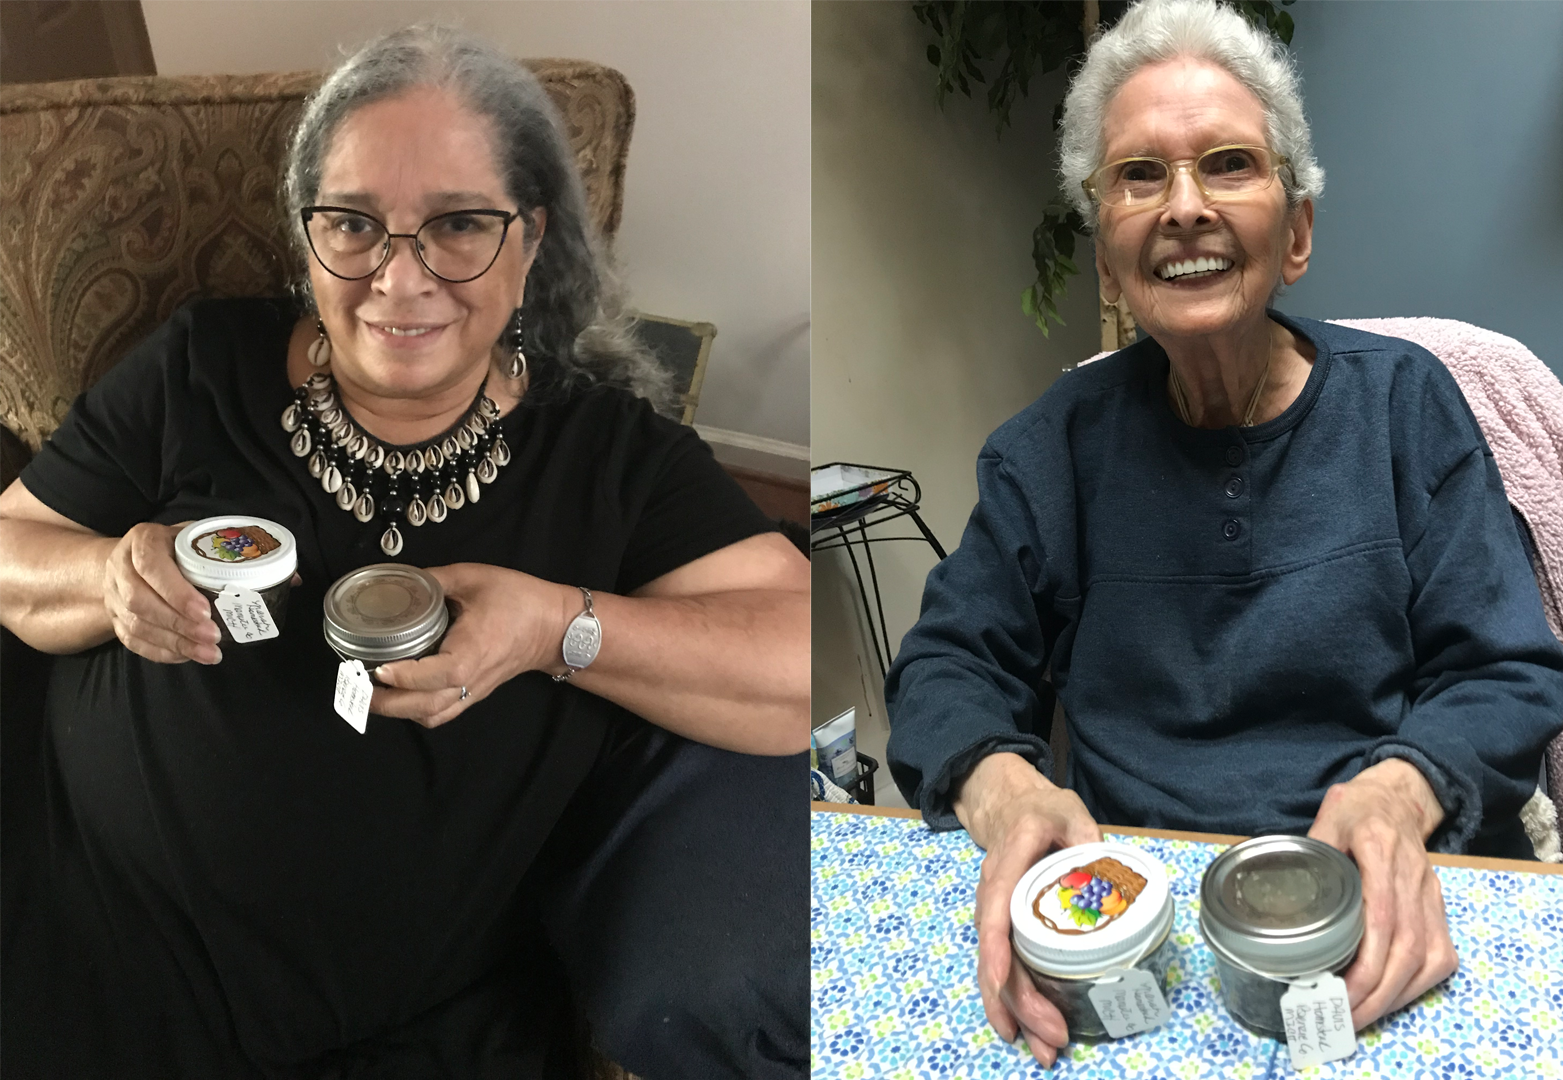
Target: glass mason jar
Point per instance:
(1085, 911)
(238, 549)
(385, 612)
(1274, 909)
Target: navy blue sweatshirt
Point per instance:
(1237, 619)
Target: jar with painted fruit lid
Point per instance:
(385, 612)
(1092, 919)
(234, 559)
(1276, 910)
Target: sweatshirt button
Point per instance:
(1231, 529)
(1234, 455)
(1234, 487)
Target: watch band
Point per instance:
(582, 639)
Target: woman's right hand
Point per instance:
(1017, 816)
(157, 613)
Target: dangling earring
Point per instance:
(320, 348)
(518, 362)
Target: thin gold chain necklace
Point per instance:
(1182, 402)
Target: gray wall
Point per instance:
(1440, 128)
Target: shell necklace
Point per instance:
(415, 483)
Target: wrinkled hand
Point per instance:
(1017, 816)
(156, 612)
(504, 623)
(1382, 819)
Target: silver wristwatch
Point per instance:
(582, 639)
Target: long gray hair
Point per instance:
(575, 331)
(1156, 30)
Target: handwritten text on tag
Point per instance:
(1317, 1015)
(1129, 1002)
(353, 687)
(245, 613)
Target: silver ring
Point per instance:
(464, 694)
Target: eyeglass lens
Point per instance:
(1228, 170)
(456, 246)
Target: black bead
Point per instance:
(392, 507)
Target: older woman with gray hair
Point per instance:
(230, 881)
(1268, 561)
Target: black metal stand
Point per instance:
(862, 788)
(895, 494)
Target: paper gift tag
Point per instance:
(246, 614)
(1317, 1015)
(1129, 1002)
(353, 687)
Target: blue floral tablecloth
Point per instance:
(894, 975)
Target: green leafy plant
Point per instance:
(1001, 45)
(1052, 252)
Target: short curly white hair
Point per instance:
(1153, 31)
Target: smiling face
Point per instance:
(404, 333)
(1176, 110)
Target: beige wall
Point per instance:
(922, 245)
(716, 211)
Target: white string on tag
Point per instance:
(353, 690)
(1316, 1013)
(245, 614)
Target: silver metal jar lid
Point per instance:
(384, 612)
(1282, 906)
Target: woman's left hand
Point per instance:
(504, 623)
(1382, 818)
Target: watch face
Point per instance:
(582, 640)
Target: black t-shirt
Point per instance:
(324, 885)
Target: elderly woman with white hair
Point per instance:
(591, 790)
(1268, 561)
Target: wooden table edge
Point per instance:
(1475, 862)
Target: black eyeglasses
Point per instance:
(454, 247)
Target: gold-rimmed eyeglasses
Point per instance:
(454, 247)
(1221, 172)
